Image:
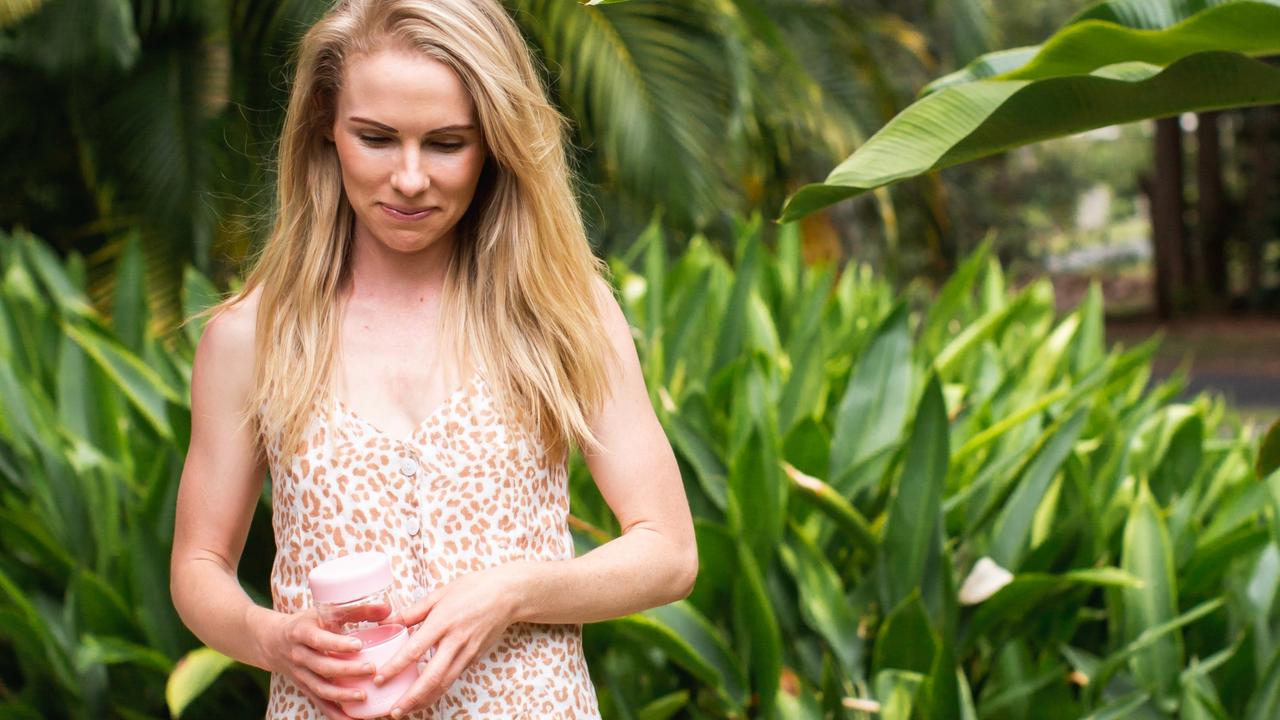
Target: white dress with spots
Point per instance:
(464, 491)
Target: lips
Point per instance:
(406, 213)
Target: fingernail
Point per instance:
(396, 712)
(378, 679)
(367, 668)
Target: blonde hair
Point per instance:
(521, 278)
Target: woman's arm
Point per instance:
(220, 485)
(653, 562)
(221, 481)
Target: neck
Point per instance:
(396, 279)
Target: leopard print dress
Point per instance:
(463, 492)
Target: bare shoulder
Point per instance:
(607, 306)
(224, 356)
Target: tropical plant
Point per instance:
(966, 509)
(1117, 61)
(955, 507)
(159, 118)
(92, 439)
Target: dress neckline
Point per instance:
(426, 422)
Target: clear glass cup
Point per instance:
(353, 596)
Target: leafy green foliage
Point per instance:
(839, 549)
(980, 426)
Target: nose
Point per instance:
(410, 177)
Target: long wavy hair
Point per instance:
(518, 291)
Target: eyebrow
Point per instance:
(393, 131)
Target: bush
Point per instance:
(967, 508)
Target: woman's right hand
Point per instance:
(297, 647)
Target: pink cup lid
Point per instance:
(350, 577)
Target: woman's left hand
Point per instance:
(460, 620)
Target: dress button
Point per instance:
(413, 525)
(408, 467)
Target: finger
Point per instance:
(328, 666)
(429, 684)
(460, 662)
(424, 639)
(331, 710)
(308, 632)
(326, 690)
(418, 611)
(322, 640)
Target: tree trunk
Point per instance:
(1259, 123)
(1211, 221)
(1166, 217)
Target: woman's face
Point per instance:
(409, 145)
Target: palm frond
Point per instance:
(642, 81)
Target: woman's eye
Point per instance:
(448, 147)
(373, 140)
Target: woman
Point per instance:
(424, 336)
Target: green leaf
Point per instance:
(757, 490)
(914, 510)
(839, 510)
(1157, 32)
(1089, 347)
(875, 401)
(953, 297)
(95, 650)
(647, 85)
(1120, 708)
(57, 283)
(734, 328)
(129, 305)
(198, 295)
(90, 37)
(801, 394)
(973, 120)
(1269, 451)
(822, 601)
(971, 338)
(896, 691)
(692, 642)
(148, 574)
(906, 641)
(1030, 595)
(100, 608)
(1014, 522)
(757, 619)
(701, 455)
(1148, 556)
(1181, 447)
(193, 674)
(940, 694)
(31, 636)
(664, 707)
(144, 389)
(1264, 704)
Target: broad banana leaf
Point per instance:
(1116, 62)
(965, 122)
(1159, 32)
